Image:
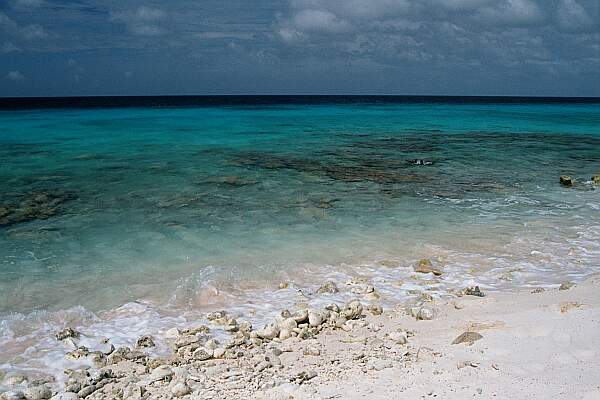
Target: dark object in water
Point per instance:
(420, 161)
(566, 180)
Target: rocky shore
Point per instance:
(532, 344)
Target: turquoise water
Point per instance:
(185, 209)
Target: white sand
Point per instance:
(531, 349)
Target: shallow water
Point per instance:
(125, 221)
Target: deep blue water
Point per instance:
(158, 199)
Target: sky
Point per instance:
(428, 47)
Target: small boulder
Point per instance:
(269, 332)
(375, 309)
(352, 310)
(398, 337)
(41, 392)
(160, 373)
(329, 287)
(467, 337)
(474, 291)
(180, 389)
(425, 314)
(145, 341)
(67, 333)
(566, 285)
(65, 396)
(202, 354)
(12, 395)
(426, 267)
(315, 318)
(596, 179)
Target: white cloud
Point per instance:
(8, 47)
(33, 32)
(573, 17)
(15, 76)
(27, 32)
(143, 21)
(319, 21)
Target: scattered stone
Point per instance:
(180, 389)
(398, 337)
(283, 285)
(67, 333)
(303, 376)
(474, 291)
(426, 267)
(65, 396)
(468, 338)
(375, 309)
(569, 305)
(202, 354)
(145, 341)
(425, 314)
(14, 378)
(269, 332)
(566, 285)
(40, 392)
(160, 373)
(311, 351)
(12, 395)
(315, 318)
(352, 310)
(566, 180)
(329, 287)
(596, 179)
(538, 290)
(464, 364)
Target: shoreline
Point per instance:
(523, 345)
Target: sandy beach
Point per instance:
(536, 344)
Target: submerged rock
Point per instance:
(566, 180)
(467, 337)
(34, 206)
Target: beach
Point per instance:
(516, 345)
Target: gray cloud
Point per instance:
(299, 45)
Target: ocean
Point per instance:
(126, 216)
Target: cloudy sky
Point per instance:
(461, 47)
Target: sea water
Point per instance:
(128, 220)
